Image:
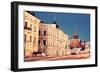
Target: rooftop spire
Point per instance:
(54, 19)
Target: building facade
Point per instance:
(87, 47)
(52, 40)
(75, 44)
(31, 34)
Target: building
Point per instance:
(75, 44)
(87, 47)
(52, 40)
(31, 34)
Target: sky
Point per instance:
(69, 22)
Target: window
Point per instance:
(34, 28)
(26, 27)
(51, 43)
(34, 40)
(25, 24)
(24, 37)
(49, 33)
(39, 32)
(44, 42)
(39, 42)
(30, 38)
(31, 20)
(44, 32)
(31, 26)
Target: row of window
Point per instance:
(40, 32)
(40, 41)
(44, 33)
(28, 18)
(30, 38)
(44, 43)
(51, 43)
(29, 28)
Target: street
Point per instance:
(52, 58)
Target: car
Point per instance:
(38, 54)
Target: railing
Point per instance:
(27, 28)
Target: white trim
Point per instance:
(22, 64)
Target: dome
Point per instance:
(75, 35)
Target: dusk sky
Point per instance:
(69, 22)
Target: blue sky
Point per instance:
(69, 22)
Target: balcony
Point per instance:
(27, 28)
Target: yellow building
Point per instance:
(52, 40)
(31, 36)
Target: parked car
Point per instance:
(38, 54)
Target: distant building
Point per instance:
(75, 44)
(87, 47)
(52, 40)
(31, 35)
